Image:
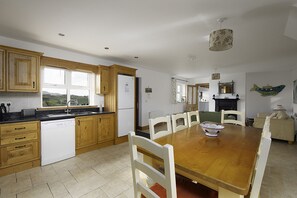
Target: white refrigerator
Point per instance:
(126, 105)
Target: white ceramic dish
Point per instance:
(211, 129)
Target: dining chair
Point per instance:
(176, 126)
(166, 185)
(233, 121)
(158, 121)
(196, 119)
(260, 165)
(266, 127)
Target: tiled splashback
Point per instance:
(21, 101)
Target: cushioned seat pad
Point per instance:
(186, 189)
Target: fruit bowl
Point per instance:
(211, 128)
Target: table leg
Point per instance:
(224, 193)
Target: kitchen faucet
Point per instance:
(67, 110)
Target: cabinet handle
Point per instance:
(100, 120)
(104, 88)
(17, 147)
(20, 138)
(78, 122)
(33, 84)
(20, 128)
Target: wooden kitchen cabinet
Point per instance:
(86, 131)
(2, 71)
(105, 127)
(102, 80)
(19, 70)
(19, 146)
(18, 153)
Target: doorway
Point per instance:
(203, 96)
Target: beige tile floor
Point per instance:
(106, 173)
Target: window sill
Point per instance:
(64, 107)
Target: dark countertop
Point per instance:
(49, 115)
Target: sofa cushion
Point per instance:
(281, 115)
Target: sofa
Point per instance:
(282, 129)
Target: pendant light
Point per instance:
(222, 39)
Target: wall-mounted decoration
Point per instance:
(295, 92)
(215, 76)
(226, 88)
(268, 90)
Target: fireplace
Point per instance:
(226, 104)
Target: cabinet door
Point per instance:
(23, 71)
(2, 72)
(105, 127)
(102, 80)
(86, 133)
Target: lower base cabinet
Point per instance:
(93, 132)
(105, 127)
(19, 153)
(19, 146)
(85, 128)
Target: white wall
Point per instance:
(33, 100)
(256, 103)
(160, 98)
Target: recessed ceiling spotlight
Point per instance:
(107, 48)
(61, 34)
(136, 57)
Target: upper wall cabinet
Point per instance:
(2, 71)
(102, 80)
(21, 69)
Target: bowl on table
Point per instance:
(211, 129)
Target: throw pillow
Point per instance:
(282, 115)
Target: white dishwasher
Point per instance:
(57, 140)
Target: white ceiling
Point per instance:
(166, 35)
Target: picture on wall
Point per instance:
(295, 92)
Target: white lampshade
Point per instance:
(221, 40)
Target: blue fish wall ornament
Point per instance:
(268, 90)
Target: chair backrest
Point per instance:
(193, 114)
(167, 180)
(260, 165)
(175, 118)
(232, 121)
(266, 127)
(159, 120)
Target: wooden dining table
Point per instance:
(224, 163)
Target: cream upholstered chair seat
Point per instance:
(240, 117)
(166, 185)
(191, 115)
(158, 121)
(176, 119)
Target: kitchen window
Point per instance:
(61, 85)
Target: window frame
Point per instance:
(68, 86)
(183, 89)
